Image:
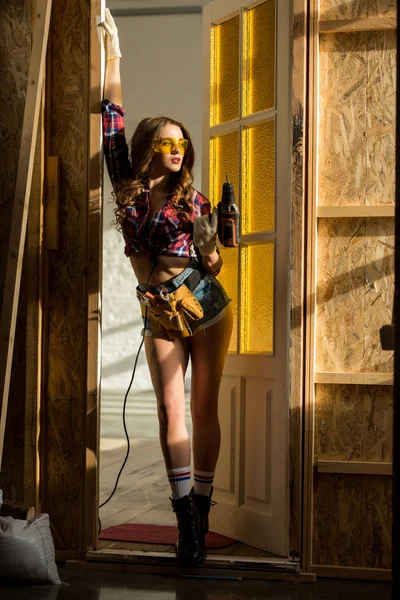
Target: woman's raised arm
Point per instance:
(112, 83)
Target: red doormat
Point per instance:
(157, 534)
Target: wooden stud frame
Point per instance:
(21, 204)
(94, 254)
(309, 393)
(297, 254)
(357, 25)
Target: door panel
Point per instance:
(226, 475)
(247, 122)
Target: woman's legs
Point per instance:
(167, 362)
(208, 350)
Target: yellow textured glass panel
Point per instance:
(229, 279)
(224, 158)
(259, 55)
(224, 69)
(258, 178)
(257, 297)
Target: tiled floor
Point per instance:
(96, 585)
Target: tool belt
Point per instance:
(169, 311)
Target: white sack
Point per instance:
(27, 550)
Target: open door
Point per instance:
(247, 133)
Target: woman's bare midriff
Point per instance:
(166, 268)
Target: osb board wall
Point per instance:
(65, 395)
(352, 521)
(352, 513)
(357, 118)
(353, 422)
(355, 280)
(356, 9)
(355, 284)
(15, 48)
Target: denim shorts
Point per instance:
(208, 291)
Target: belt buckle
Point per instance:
(164, 294)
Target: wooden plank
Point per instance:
(115, 555)
(354, 378)
(357, 25)
(201, 571)
(34, 250)
(356, 9)
(65, 358)
(309, 392)
(354, 467)
(34, 309)
(94, 160)
(16, 510)
(20, 206)
(339, 212)
(352, 573)
(297, 322)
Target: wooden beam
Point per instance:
(338, 212)
(353, 467)
(213, 561)
(34, 322)
(17, 510)
(297, 323)
(20, 206)
(352, 573)
(354, 378)
(94, 259)
(311, 153)
(177, 570)
(358, 25)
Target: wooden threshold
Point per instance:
(357, 25)
(224, 567)
(354, 467)
(354, 378)
(340, 212)
(352, 573)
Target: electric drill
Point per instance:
(228, 217)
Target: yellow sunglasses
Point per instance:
(165, 145)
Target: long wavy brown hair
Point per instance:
(142, 152)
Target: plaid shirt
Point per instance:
(170, 231)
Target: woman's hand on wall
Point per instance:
(111, 39)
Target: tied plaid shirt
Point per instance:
(170, 231)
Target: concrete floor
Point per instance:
(96, 585)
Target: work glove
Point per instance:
(205, 233)
(111, 39)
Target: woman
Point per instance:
(171, 243)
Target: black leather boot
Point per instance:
(203, 504)
(189, 551)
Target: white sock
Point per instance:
(179, 480)
(203, 481)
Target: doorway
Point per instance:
(141, 497)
